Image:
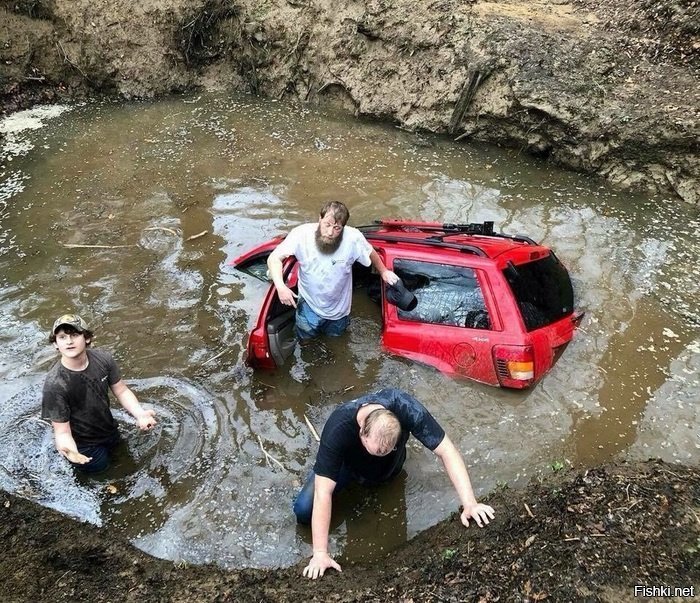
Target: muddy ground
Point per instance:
(586, 536)
(607, 87)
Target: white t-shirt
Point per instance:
(325, 280)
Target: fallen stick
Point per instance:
(528, 510)
(214, 358)
(311, 427)
(165, 228)
(78, 246)
(266, 384)
(196, 236)
(268, 456)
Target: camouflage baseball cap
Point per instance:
(72, 320)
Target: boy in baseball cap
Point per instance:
(76, 397)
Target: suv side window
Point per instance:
(447, 295)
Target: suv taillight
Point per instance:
(515, 365)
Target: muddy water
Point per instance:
(142, 181)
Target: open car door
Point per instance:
(272, 338)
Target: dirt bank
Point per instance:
(607, 87)
(590, 536)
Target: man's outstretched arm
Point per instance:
(457, 472)
(146, 419)
(320, 526)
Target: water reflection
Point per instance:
(130, 213)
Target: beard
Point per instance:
(328, 247)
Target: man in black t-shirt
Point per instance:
(76, 397)
(365, 441)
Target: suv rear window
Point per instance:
(542, 289)
(447, 295)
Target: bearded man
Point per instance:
(325, 252)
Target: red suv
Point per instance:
(492, 307)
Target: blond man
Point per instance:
(364, 441)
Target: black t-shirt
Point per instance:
(82, 398)
(341, 445)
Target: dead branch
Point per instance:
(268, 456)
(215, 357)
(79, 246)
(71, 63)
(311, 427)
(196, 236)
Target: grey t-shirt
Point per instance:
(82, 398)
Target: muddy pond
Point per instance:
(165, 194)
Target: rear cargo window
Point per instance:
(447, 295)
(542, 289)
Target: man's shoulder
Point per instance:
(387, 396)
(53, 375)
(341, 420)
(353, 233)
(401, 403)
(100, 354)
(297, 237)
(302, 230)
(344, 410)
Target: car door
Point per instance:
(451, 327)
(271, 340)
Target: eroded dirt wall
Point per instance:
(609, 88)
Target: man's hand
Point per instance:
(318, 565)
(147, 420)
(287, 296)
(479, 513)
(75, 457)
(389, 277)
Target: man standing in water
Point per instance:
(364, 441)
(76, 399)
(326, 252)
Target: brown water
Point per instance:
(141, 179)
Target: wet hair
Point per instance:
(338, 210)
(68, 330)
(384, 425)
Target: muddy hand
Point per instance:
(318, 565)
(479, 513)
(147, 420)
(75, 457)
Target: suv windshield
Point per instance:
(542, 289)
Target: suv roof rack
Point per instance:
(432, 241)
(484, 229)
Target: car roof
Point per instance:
(476, 238)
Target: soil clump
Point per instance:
(580, 536)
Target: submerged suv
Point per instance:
(491, 307)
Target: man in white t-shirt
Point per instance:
(326, 252)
